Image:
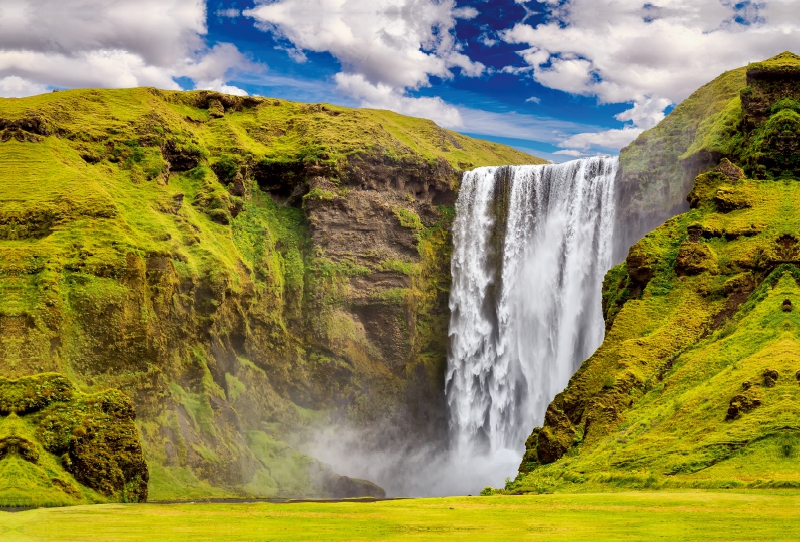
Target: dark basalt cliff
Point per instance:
(696, 383)
(246, 270)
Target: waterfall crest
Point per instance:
(531, 247)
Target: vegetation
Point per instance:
(696, 383)
(59, 446)
(174, 246)
(615, 516)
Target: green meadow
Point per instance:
(695, 515)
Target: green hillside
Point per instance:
(191, 250)
(697, 383)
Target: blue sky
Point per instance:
(557, 78)
(502, 93)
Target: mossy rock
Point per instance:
(65, 447)
(694, 258)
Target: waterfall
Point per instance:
(531, 247)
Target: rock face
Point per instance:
(245, 270)
(693, 384)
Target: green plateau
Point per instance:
(697, 384)
(199, 282)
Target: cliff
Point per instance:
(245, 270)
(696, 383)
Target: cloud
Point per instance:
(112, 43)
(382, 96)
(650, 56)
(487, 40)
(646, 112)
(209, 70)
(570, 153)
(294, 53)
(520, 126)
(608, 139)
(387, 48)
(17, 87)
(230, 13)
(534, 99)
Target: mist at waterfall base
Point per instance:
(531, 246)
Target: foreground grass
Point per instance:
(618, 516)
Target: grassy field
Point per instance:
(589, 517)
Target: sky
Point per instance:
(557, 78)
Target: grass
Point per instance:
(618, 516)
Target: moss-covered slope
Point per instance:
(244, 269)
(697, 383)
(59, 446)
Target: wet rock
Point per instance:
(18, 446)
(238, 188)
(531, 457)
(215, 109)
(347, 488)
(742, 284)
(730, 170)
(695, 232)
(181, 158)
(640, 265)
(556, 437)
(30, 129)
(787, 249)
(728, 199)
(342, 487)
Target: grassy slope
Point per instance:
(99, 242)
(620, 516)
(696, 383)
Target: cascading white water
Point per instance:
(531, 247)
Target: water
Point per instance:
(531, 247)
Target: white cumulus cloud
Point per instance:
(386, 47)
(17, 87)
(110, 43)
(648, 54)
